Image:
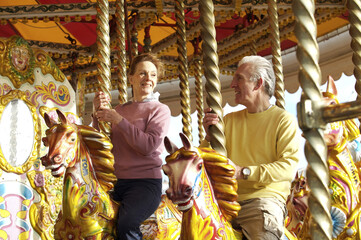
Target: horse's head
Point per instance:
(184, 168)
(299, 197)
(335, 131)
(62, 142)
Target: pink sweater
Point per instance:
(138, 139)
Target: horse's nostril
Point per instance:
(57, 159)
(187, 191)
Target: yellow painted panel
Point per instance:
(157, 33)
(17, 3)
(327, 27)
(47, 32)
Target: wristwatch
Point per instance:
(246, 172)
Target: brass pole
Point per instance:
(211, 73)
(103, 54)
(80, 91)
(354, 7)
(134, 38)
(315, 147)
(199, 96)
(183, 69)
(147, 40)
(197, 69)
(276, 53)
(253, 47)
(122, 59)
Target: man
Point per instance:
(262, 141)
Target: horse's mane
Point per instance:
(100, 147)
(221, 173)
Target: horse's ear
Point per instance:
(331, 86)
(62, 117)
(49, 121)
(169, 146)
(186, 143)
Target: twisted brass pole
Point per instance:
(183, 69)
(253, 47)
(211, 73)
(315, 147)
(276, 53)
(147, 40)
(103, 54)
(354, 7)
(199, 96)
(80, 91)
(122, 60)
(134, 39)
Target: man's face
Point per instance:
(243, 87)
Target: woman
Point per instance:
(138, 129)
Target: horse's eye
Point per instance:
(200, 166)
(72, 139)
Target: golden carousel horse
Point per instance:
(201, 183)
(344, 174)
(83, 156)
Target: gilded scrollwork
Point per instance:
(19, 61)
(44, 213)
(4, 164)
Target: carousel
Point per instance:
(55, 54)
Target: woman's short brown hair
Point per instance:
(150, 58)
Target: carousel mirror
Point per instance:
(19, 132)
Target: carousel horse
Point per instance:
(201, 183)
(82, 155)
(344, 174)
(297, 207)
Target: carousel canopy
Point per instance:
(67, 30)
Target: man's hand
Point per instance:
(209, 120)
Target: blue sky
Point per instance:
(346, 92)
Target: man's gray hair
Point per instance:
(261, 68)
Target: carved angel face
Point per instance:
(20, 57)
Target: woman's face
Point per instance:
(20, 57)
(143, 80)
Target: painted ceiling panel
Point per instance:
(84, 33)
(7, 31)
(17, 3)
(41, 31)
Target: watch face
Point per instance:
(246, 171)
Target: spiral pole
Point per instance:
(103, 54)
(253, 47)
(121, 53)
(147, 48)
(183, 69)
(134, 39)
(211, 73)
(276, 53)
(354, 9)
(80, 95)
(199, 96)
(315, 147)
